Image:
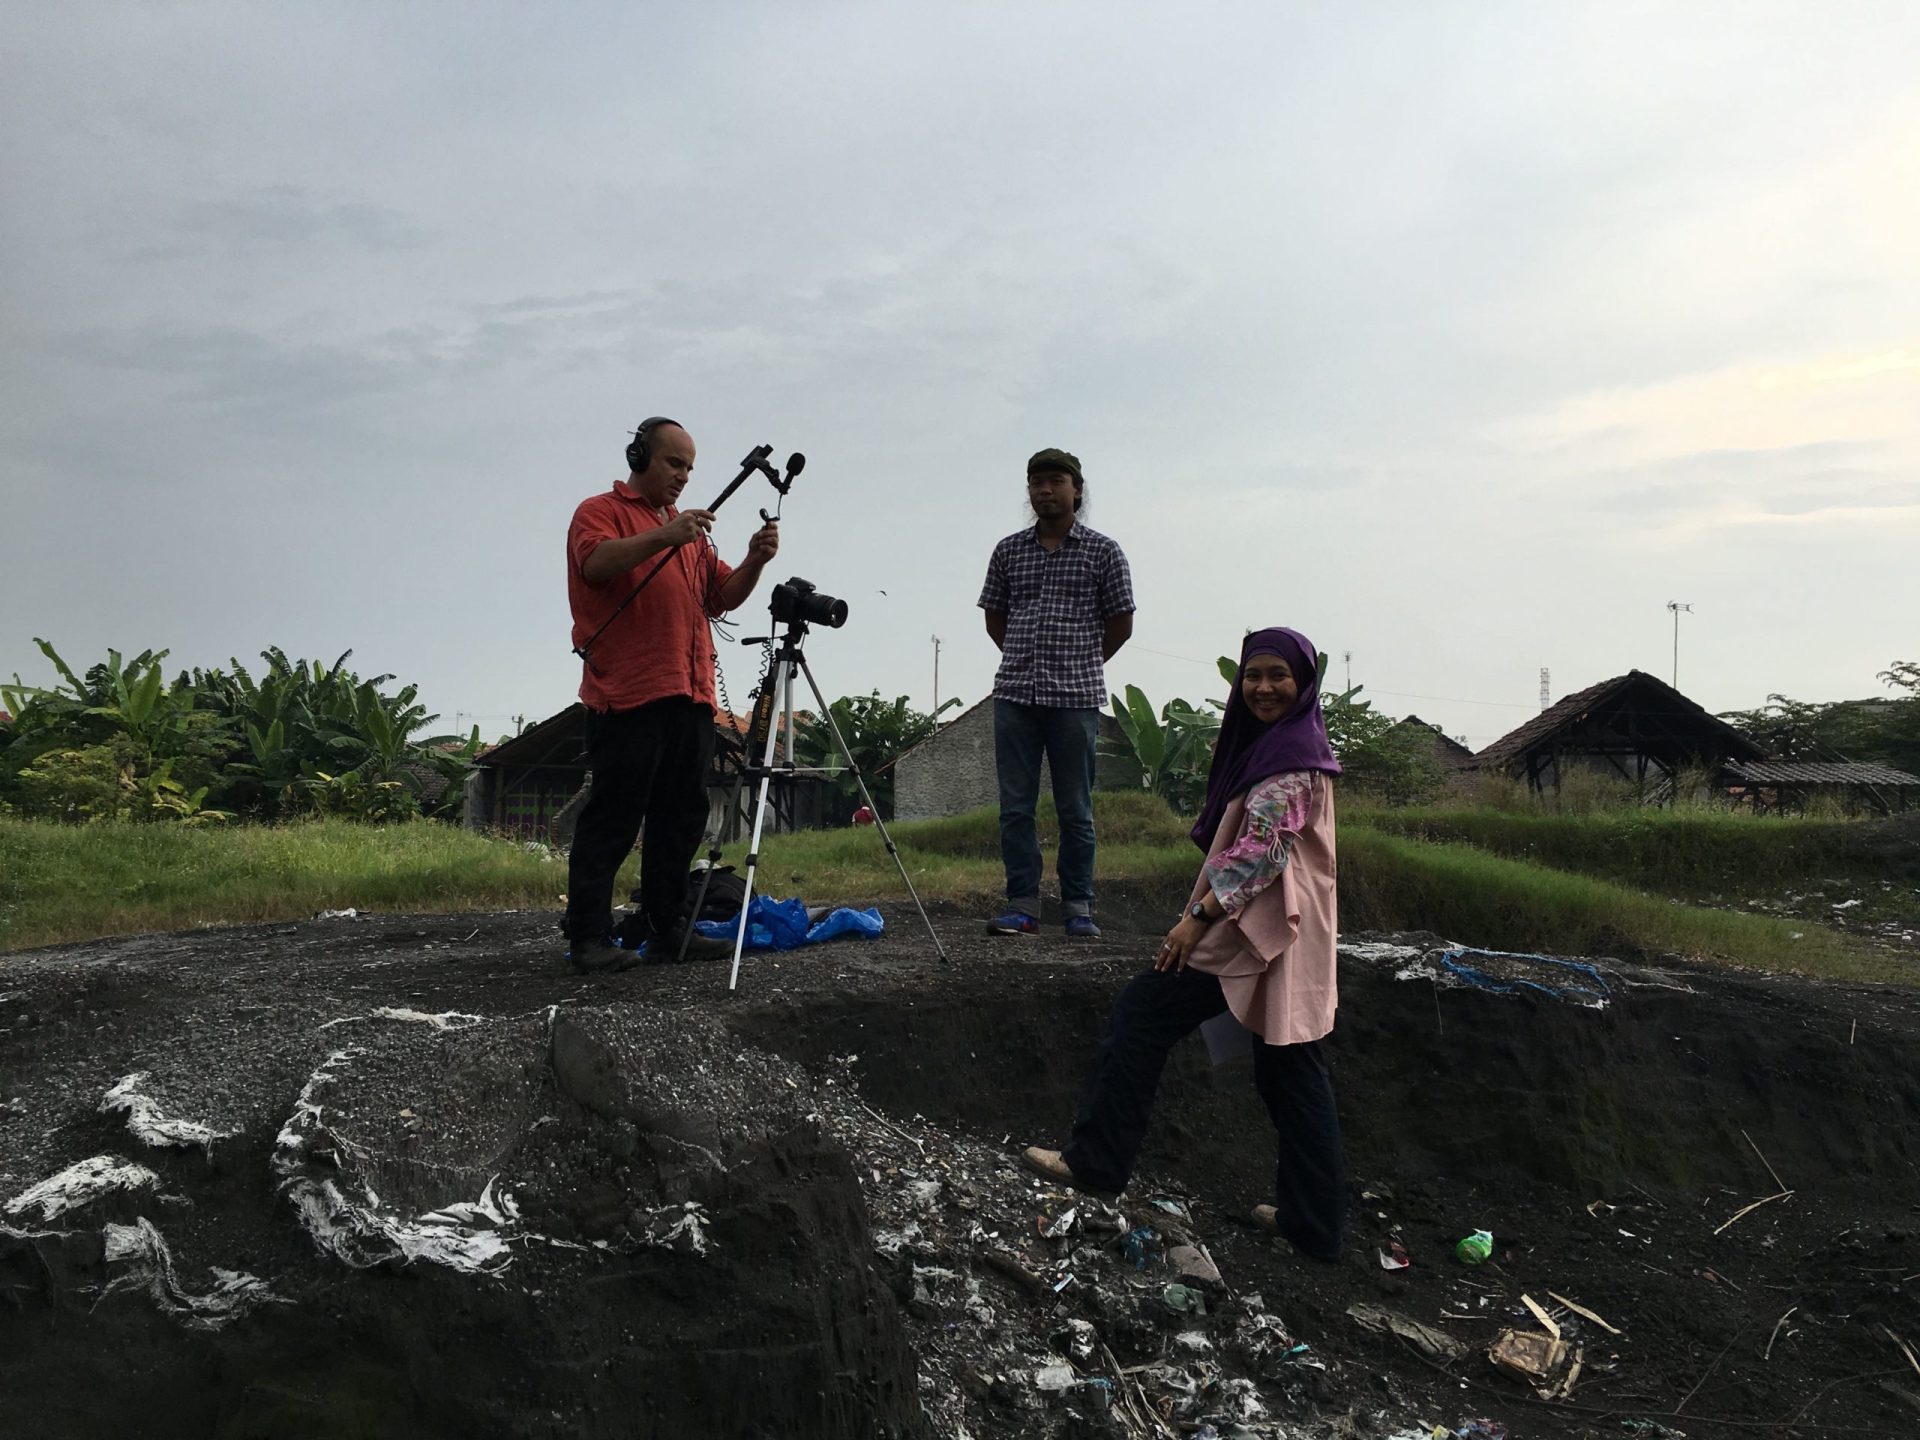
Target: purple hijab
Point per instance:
(1249, 752)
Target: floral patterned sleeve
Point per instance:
(1277, 811)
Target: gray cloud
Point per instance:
(299, 288)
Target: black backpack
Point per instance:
(726, 893)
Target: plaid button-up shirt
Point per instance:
(1057, 604)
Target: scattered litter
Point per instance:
(1478, 1247)
(80, 1184)
(1547, 1322)
(1584, 1313)
(1191, 1262)
(1434, 1344)
(1082, 1341)
(1137, 1246)
(1395, 1257)
(1535, 1358)
(1749, 1209)
(1483, 979)
(1054, 1378)
(1060, 1226)
(148, 1124)
(1477, 1430)
(1185, 1299)
(338, 915)
(1378, 950)
(1172, 1207)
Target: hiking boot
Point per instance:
(665, 949)
(633, 931)
(600, 957)
(1014, 922)
(1048, 1165)
(1081, 927)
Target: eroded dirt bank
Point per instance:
(452, 1191)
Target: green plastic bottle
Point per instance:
(1475, 1248)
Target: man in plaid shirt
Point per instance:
(1059, 604)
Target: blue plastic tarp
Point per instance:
(783, 925)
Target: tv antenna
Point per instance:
(1676, 607)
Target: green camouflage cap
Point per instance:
(1051, 459)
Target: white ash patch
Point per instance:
(149, 1123)
(140, 1255)
(79, 1185)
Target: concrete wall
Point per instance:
(954, 771)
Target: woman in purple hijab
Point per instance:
(1253, 956)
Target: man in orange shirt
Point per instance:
(648, 688)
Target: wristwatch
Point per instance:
(1198, 911)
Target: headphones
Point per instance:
(640, 451)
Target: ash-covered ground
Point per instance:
(404, 1176)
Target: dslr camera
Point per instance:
(799, 601)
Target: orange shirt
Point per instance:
(660, 645)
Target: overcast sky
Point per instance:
(1460, 337)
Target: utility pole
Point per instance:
(1546, 691)
(936, 680)
(1346, 657)
(1676, 607)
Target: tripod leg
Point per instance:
(759, 821)
(867, 796)
(761, 714)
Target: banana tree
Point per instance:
(877, 733)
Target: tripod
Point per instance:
(775, 696)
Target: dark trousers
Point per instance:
(1022, 736)
(649, 783)
(1154, 1013)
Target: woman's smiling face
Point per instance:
(1268, 687)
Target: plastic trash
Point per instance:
(1395, 1257)
(1185, 1299)
(1481, 1430)
(1137, 1245)
(1055, 1378)
(1476, 1248)
(787, 925)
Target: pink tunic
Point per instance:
(1275, 953)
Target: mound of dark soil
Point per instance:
(454, 1191)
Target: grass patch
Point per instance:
(1701, 852)
(79, 882)
(1391, 882)
(1400, 869)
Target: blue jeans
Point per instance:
(1022, 734)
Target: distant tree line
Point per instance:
(1883, 730)
(123, 742)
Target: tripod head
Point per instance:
(787, 643)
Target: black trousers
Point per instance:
(650, 784)
(1154, 1013)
